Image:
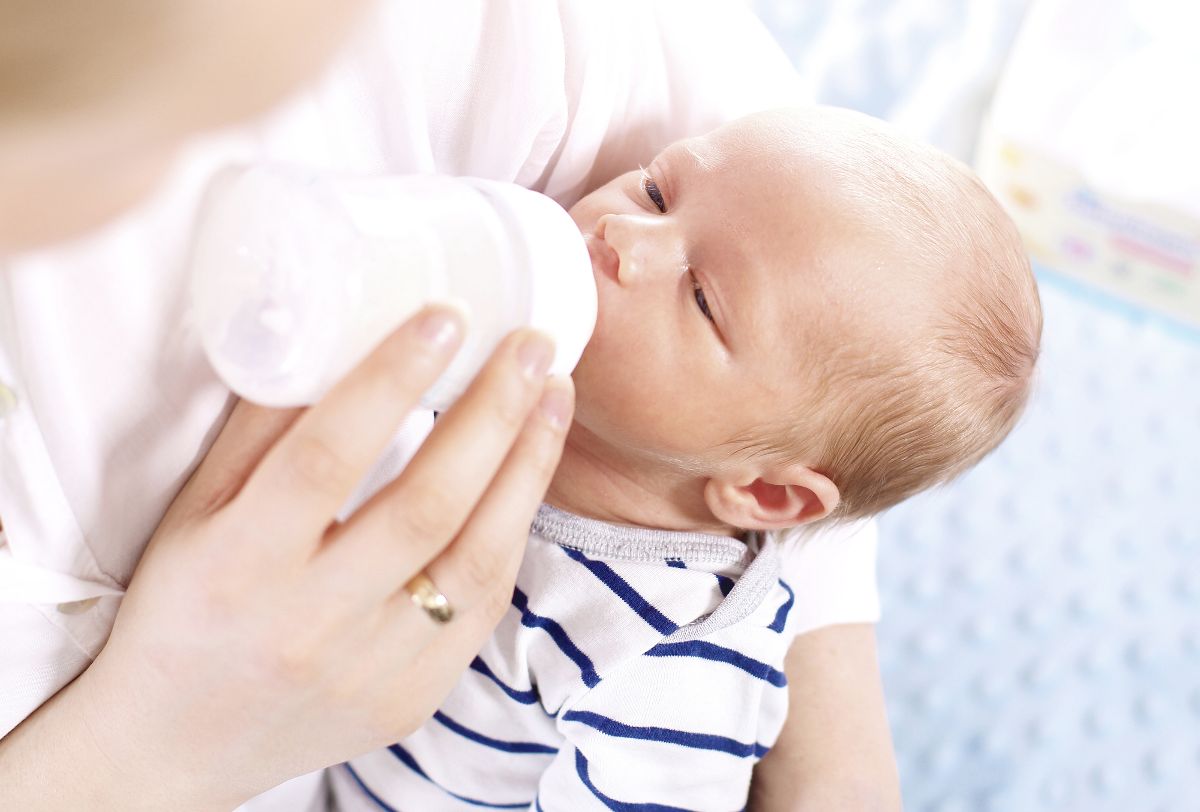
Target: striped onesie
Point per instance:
(636, 669)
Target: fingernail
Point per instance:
(556, 404)
(534, 356)
(440, 329)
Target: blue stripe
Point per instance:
(367, 790)
(621, 588)
(529, 697)
(782, 615)
(698, 741)
(587, 671)
(710, 651)
(406, 757)
(497, 744)
(537, 804)
(676, 563)
(581, 767)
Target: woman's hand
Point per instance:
(259, 639)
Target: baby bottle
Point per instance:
(296, 275)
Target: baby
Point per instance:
(804, 318)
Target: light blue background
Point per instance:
(1041, 632)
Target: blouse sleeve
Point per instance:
(560, 97)
(832, 573)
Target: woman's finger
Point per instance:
(478, 569)
(302, 481)
(407, 523)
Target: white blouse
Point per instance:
(106, 401)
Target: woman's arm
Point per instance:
(835, 751)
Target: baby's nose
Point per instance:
(604, 258)
(642, 251)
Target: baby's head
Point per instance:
(804, 315)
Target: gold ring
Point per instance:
(427, 596)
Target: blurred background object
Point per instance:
(1041, 632)
(1087, 142)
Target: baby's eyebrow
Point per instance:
(702, 163)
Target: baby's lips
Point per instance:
(604, 259)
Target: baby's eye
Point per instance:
(701, 302)
(651, 189)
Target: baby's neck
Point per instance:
(599, 482)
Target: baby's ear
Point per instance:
(772, 500)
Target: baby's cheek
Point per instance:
(609, 395)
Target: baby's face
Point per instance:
(721, 269)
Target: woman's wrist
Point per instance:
(63, 757)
